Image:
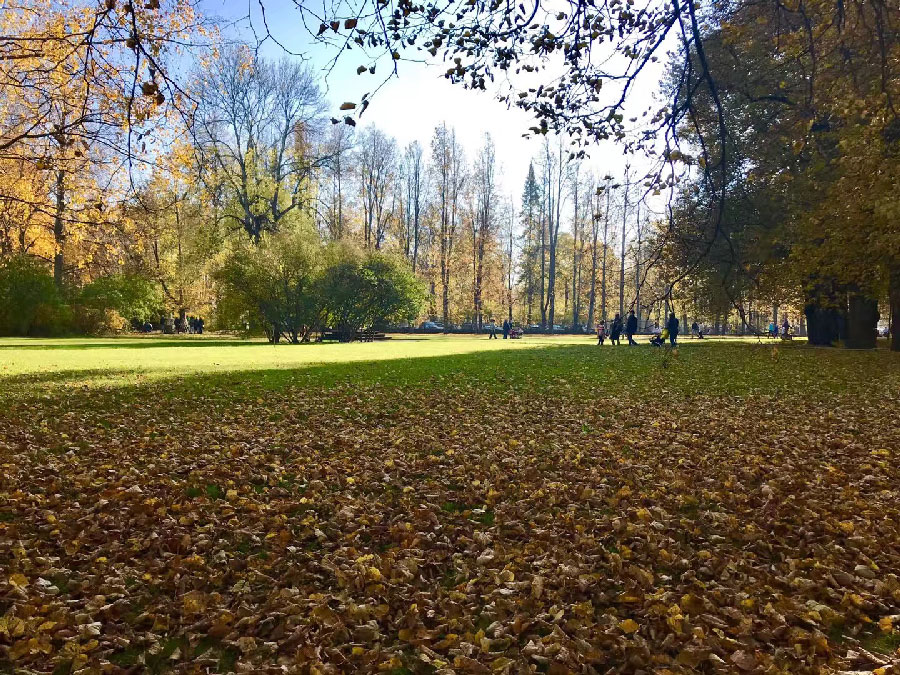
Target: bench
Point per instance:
(358, 336)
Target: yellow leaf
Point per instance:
(18, 580)
(629, 626)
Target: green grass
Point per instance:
(158, 356)
(174, 367)
(245, 454)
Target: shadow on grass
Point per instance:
(581, 371)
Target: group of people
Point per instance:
(630, 327)
(785, 328)
(191, 324)
(507, 329)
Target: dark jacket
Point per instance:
(672, 325)
(631, 326)
(616, 329)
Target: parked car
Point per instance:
(432, 326)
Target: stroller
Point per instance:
(659, 339)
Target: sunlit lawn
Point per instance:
(127, 359)
(445, 504)
(156, 356)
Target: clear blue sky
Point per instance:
(410, 106)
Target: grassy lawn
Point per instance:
(446, 505)
(130, 359)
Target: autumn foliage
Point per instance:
(735, 511)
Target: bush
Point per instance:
(364, 290)
(291, 286)
(30, 303)
(108, 304)
(272, 285)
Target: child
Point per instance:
(601, 333)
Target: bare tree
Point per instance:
(253, 129)
(608, 191)
(484, 221)
(622, 260)
(510, 234)
(377, 169)
(338, 149)
(594, 206)
(447, 159)
(531, 200)
(413, 185)
(554, 172)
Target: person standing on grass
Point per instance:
(785, 326)
(601, 333)
(506, 327)
(672, 327)
(695, 329)
(493, 331)
(615, 332)
(631, 328)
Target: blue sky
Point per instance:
(410, 106)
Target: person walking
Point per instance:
(601, 333)
(672, 327)
(506, 327)
(631, 328)
(695, 330)
(615, 332)
(785, 327)
(493, 331)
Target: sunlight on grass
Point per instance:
(107, 360)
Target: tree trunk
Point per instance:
(637, 270)
(543, 268)
(509, 282)
(59, 230)
(622, 262)
(576, 310)
(862, 321)
(592, 297)
(445, 290)
(605, 251)
(894, 293)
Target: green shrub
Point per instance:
(362, 290)
(130, 295)
(30, 303)
(271, 285)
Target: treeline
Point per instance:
(261, 167)
(775, 191)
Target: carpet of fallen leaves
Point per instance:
(449, 528)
